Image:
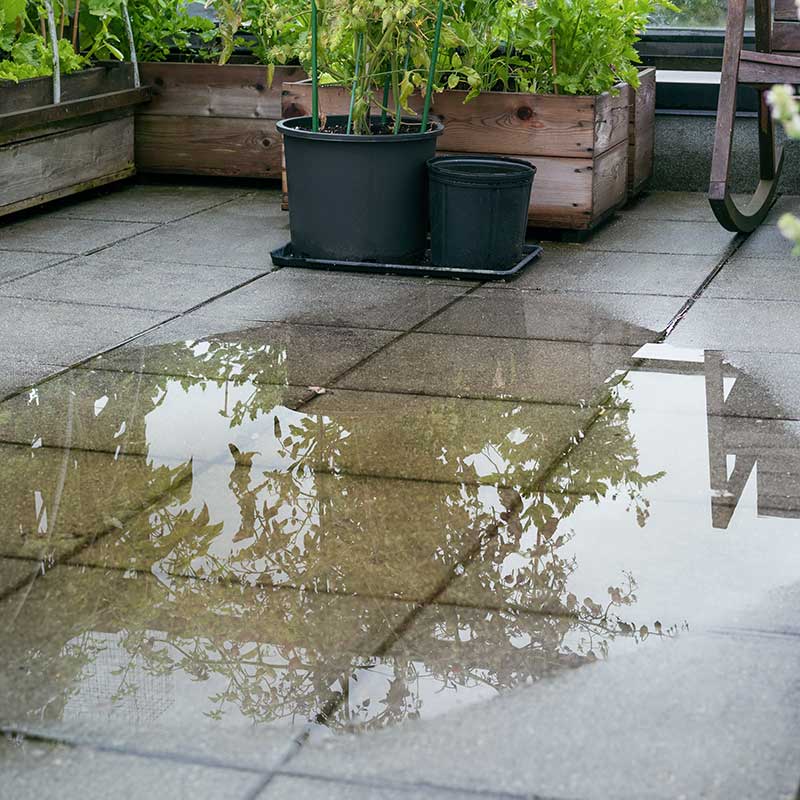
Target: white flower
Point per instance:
(781, 99)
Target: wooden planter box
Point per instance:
(207, 119)
(50, 151)
(579, 145)
(642, 131)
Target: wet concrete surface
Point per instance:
(323, 536)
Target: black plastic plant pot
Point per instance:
(358, 198)
(478, 211)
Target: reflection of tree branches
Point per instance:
(313, 527)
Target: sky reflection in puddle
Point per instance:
(197, 552)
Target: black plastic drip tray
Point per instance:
(285, 257)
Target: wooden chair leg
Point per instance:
(751, 215)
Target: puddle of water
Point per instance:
(205, 553)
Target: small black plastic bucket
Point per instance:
(478, 210)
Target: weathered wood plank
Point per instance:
(641, 132)
(234, 147)
(786, 36)
(51, 164)
(765, 69)
(504, 123)
(36, 92)
(67, 191)
(610, 182)
(46, 115)
(785, 10)
(211, 90)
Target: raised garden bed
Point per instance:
(207, 119)
(642, 131)
(591, 153)
(49, 151)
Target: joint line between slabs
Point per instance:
(342, 375)
(399, 630)
(730, 251)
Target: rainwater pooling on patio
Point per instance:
(194, 543)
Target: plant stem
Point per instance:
(355, 82)
(398, 109)
(314, 70)
(553, 58)
(387, 85)
(434, 58)
(75, 24)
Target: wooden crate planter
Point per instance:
(642, 131)
(579, 145)
(51, 151)
(207, 119)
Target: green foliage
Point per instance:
(554, 46)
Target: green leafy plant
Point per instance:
(161, 27)
(786, 110)
(553, 46)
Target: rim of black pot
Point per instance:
(291, 127)
(454, 166)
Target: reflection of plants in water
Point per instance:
(312, 526)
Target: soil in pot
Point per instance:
(358, 198)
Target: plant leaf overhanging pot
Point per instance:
(357, 198)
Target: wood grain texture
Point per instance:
(786, 36)
(232, 147)
(37, 92)
(762, 70)
(33, 118)
(785, 10)
(610, 182)
(642, 131)
(211, 90)
(50, 165)
(504, 123)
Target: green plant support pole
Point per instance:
(355, 83)
(434, 58)
(314, 70)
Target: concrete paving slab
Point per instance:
(344, 534)
(711, 717)
(571, 268)
(444, 439)
(35, 769)
(760, 326)
(787, 204)
(106, 281)
(766, 242)
(238, 234)
(181, 664)
(37, 331)
(14, 264)
(570, 373)
(283, 787)
(63, 500)
(200, 344)
(147, 414)
(150, 203)
(630, 235)
(15, 375)
(598, 318)
(46, 234)
(15, 572)
(757, 279)
(671, 207)
(359, 301)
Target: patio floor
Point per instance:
(284, 534)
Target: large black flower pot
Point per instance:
(357, 198)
